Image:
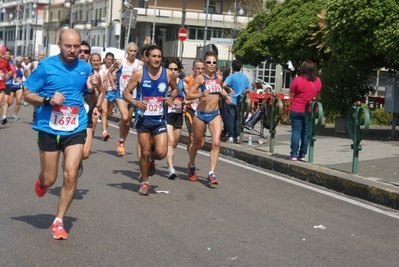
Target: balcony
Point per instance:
(192, 18)
(52, 25)
(100, 23)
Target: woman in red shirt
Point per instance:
(302, 90)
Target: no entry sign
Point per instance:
(182, 34)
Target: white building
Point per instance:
(105, 23)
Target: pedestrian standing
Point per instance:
(61, 119)
(302, 90)
(235, 84)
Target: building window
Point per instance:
(267, 72)
(215, 7)
(197, 33)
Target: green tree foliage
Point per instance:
(280, 34)
(343, 85)
(364, 33)
(348, 39)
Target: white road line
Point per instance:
(288, 180)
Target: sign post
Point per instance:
(182, 34)
(182, 38)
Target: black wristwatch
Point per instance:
(46, 101)
(173, 98)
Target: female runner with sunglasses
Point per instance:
(175, 115)
(209, 91)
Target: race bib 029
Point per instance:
(154, 106)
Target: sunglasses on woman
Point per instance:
(211, 62)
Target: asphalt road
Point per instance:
(252, 218)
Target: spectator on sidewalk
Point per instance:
(235, 85)
(223, 73)
(302, 90)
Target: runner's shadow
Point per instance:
(127, 173)
(133, 187)
(78, 194)
(44, 221)
(112, 152)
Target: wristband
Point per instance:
(46, 101)
(99, 109)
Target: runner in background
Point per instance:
(124, 68)
(191, 105)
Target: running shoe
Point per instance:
(144, 189)
(15, 117)
(105, 136)
(172, 175)
(40, 189)
(151, 168)
(4, 121)
(230, 140)
(80, 169)
(58, 231)
(192, 176)
(121, 149)
(188, 143)
(212, 179)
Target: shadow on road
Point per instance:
(44, 221)
(78, 194)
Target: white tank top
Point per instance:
(127, 72)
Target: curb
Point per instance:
(342, 182)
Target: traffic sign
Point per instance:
(222, 41)
(182, 34)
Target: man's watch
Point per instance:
(173, 98)
(46, 101)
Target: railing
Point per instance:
(177, 14)
(51, 25)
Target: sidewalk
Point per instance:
(377, 180)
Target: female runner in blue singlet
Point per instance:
(209, 91)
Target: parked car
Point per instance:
(261, 84)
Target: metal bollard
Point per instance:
(354, 120)
(243, 109)
(313, 113)
(274, 109)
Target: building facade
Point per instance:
(29, 26)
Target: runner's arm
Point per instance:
(132, 85)
(111, 70)
(36, 100)
(198, 81)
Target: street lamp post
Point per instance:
(34, 6)
(206, 24)
(153, 24)
(17, 29)
(69, 4)
(48, 29)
